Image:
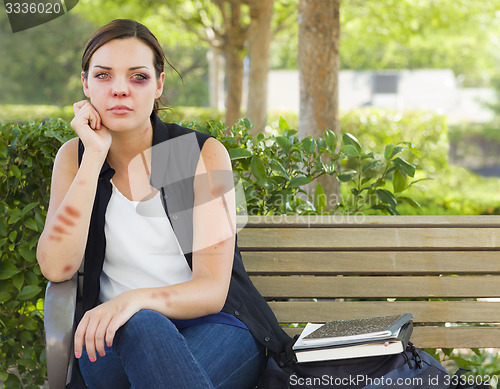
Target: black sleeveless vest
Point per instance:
(175, 155)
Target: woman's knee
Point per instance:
(147, 324)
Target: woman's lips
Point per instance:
(120, 110)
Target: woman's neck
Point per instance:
(127, 145)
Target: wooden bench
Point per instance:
(315, 269)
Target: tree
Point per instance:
(233, 27)
(318, 60)
(260, 35)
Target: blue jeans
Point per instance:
(150, 352)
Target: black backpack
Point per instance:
(412, 369)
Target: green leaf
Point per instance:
(347, 175)
(13, 236)
(26, 336)
(308, 145)
(264, 183)
(30, 323)
(331, 140)
(412, 148)
(278, 179)
(28, 363)
(404, 167)
(395, 151)
(398, 182)
(4, 296)
(388, 151)
(28, 292)
(4, 375)
(283, 125)
(349, 139)
(28, 208)
(283, 142)
(247, 123)
(7, 270)
(319, 198)
(299, 181)
(370, 165)
(15, 216)
(15, 171)
(410, 201)
(349, 151)
(239, 153)
(258, 168)
(18, 280)
(3, 149)
(27, 254)
(386, 197)
(278, 168)
(464, 362)
(30, 223)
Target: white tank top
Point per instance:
(141, 248)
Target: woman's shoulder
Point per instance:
(67, 154)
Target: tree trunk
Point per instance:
(215, 77)
(235, 36)
(259, 51)
(318, 60)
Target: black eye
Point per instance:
(140, 77)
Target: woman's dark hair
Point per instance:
(126, 28)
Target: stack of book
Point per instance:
(355, 338)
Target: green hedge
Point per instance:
(23, 113)
(427, 130)
(27, 152)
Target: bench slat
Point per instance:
(377, 287)
(378, 238)
(428, 221)
(372, 262)
(423, 311)
(441, 337)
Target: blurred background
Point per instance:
(249, 57)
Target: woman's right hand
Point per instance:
(87, 124)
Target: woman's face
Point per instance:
(122, 84)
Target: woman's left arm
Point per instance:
(214, 231)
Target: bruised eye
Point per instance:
(102, 76)
(140, 77)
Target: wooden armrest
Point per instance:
(59, 314)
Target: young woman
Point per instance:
(150, 206)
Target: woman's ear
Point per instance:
(159, 85)
(85, 85)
